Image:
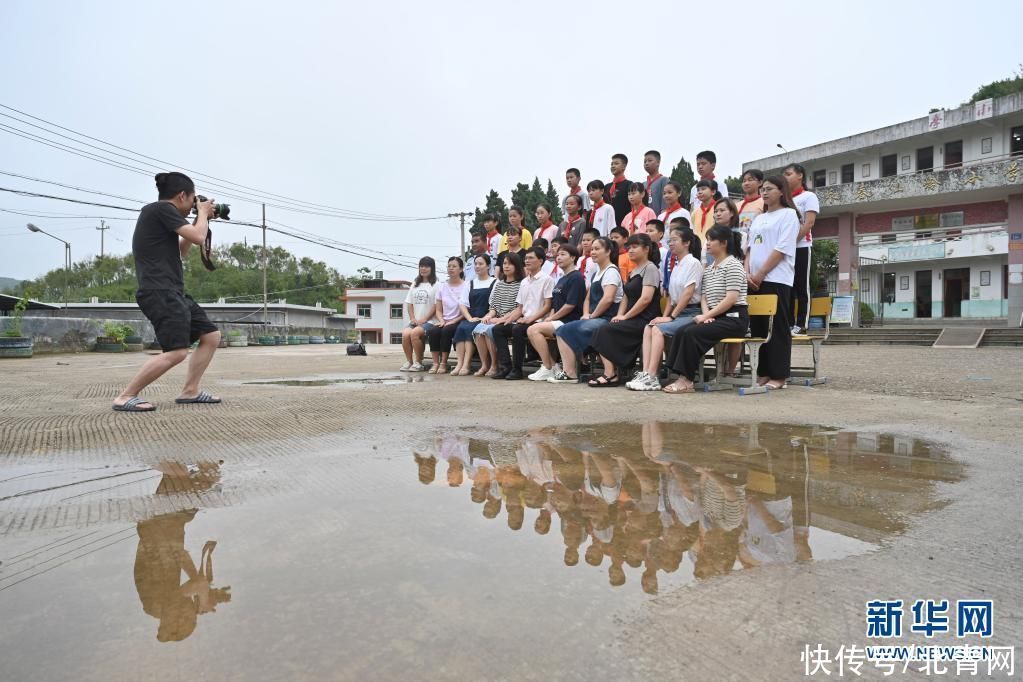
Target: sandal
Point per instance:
(678, 388)
(481, 372)
(132, 405)
(462, 373)
(203, 397)
(604, 381)
(775, 386)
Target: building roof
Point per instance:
(1002, 106)
(228, 306)
(7, 304)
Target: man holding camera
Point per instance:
(162, 239)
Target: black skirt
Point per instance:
(620, 342)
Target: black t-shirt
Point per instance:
(155, 246)
(569, 289)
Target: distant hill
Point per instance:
(8, 283)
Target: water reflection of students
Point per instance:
(723, 505)
(161, 558)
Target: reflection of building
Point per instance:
(928, 213)
(379, 309)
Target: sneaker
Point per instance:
(638, 381)
(651, 383)
(796, 330)
(542, 374)
(561, 377)
(407, 367)
(417, 367)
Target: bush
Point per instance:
(866, 313)
(234, 333)
(19, 312)
(117, 332)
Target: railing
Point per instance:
(935, 234)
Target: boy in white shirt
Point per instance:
(602, 217)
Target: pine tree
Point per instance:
(734, 186)
(494, 204)
(554, 202)
(683, 174)
(520, 197)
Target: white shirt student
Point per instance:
(603, 219)
(774, 231)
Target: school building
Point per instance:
(378, 307)
(928, 213)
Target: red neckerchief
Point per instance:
(703, 218)
(746, 201)
(651, 180)
(635, 214)
(577, 190)
(568, 225)
(596, 206)
(614, 185)
(668, 212)
(539, 230)
(582, 266)
(798, 191)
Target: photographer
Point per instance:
(162, 239)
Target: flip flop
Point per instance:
(203, 397)
(132, 405)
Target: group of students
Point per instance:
(647, 507)
(629, 273)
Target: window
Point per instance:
(395, 339)
(833, 178)
(820, 178)
(985, 145)
(865, 170)
(889, 238)
(889, 165)
(364, 310)
(925, 159)
(1016, 141)
(954, 154)
(396, 312)
(847, 173)
(888, 288)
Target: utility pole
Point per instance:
(102, 229)
(461, 232)
(264, 267)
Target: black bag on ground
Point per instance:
(356, 349)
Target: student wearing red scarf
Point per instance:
(571, 228)
(602, 217)
(807, 206)
(617, 193)
(572, 177)
(639, 213)
(655, 182)
(706, 162)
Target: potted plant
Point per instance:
(12, 343)
(236, 339)
(112, 340)
(132, 339)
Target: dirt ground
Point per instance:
(55, 413)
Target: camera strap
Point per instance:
(205, 251)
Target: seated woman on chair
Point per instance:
(723, 301)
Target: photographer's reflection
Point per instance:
(161, 558)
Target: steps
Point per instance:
(1002, 337)
(922, 336)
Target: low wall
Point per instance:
(78, 334)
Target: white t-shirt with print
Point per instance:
(610, 275)
(806, 201)
(774, 231)
(423, 298)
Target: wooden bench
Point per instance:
(758, 305)
(809, 376)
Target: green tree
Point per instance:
(492, 204)
(520, 197)
(552, 200)
(824, 263)
(1006, 86)
(734, 186)
(683, 173)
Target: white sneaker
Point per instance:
(637, 382)
(650, 384)
(417, 367)
(542, 374)
(796, 330)
(561, 377)
(407, 367)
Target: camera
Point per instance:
(220, 211)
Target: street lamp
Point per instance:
(67, 258)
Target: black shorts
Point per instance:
(177, 319)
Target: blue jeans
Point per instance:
(579, 334)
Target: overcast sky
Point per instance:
(418, 109)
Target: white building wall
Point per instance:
(380, 310)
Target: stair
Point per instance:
(1002, 337)
(922, 336)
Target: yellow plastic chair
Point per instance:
(809, 376)
(758, 305)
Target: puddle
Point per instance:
(461, 556)
(356, 379)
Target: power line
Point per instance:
(319, 241)
(245, 189)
